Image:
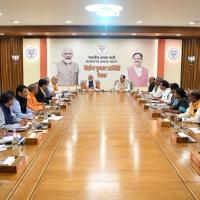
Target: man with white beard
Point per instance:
(67, 70)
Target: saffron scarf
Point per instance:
(194, 107)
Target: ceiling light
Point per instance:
(178, 34)
(104, 34)
(1, 14)
(68, 22)
(15, 22)
(29, 33)
(133, 34)
(2, 33)
(74, 33)
(139, 22)
(106, 10)
(191, 23)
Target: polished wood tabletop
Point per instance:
(106, 147)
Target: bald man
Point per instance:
(67, 70)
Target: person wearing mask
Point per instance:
(32, 102)
(90, 84)
(152, 83)
(181, 104)
(167, 93)
(8, 120)
(157, 92)
(192, 114)
(174, 87)
(41, 95)
(122, 85)
(19, 107)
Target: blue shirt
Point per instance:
(16, 109)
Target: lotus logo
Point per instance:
(15, 57)
(173, 54)
(31, 53)
(191, 59)
(102, 49)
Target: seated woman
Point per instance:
(32, 102)
(174, 87)
(180, 104)
(90, 84)
(193, 112)
(7, 119)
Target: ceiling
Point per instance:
(56, 12)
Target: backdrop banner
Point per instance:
(106, 59)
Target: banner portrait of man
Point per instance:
(67, 69)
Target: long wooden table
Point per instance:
(106, 147)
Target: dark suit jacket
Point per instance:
(151, 86)
(41, 97)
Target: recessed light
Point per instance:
(1, 14)
(191, 23)
(104, 34)
(2, 33)
(133, 34)
(178, 34)
(105, 10)
(139, 22)
(68, 22)
(74, 33)
(15, 22)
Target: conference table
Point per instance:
(105, 147)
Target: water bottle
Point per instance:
(34, 125)
(14, 140)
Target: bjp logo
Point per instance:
(31, 53)
(102, 49)
(174, 54)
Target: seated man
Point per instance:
(19, 107)
(122, 85)
(54, 82)
(152, 83)
(8, 120)
(90, 84)
(49, 90)
(41, 96)
(32, 102)
(157, 92)
(167, 93)
(193, 112)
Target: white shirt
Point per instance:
(167, 95)
(157, 93)
(122, 86)
(138, 71)
(188, 118)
